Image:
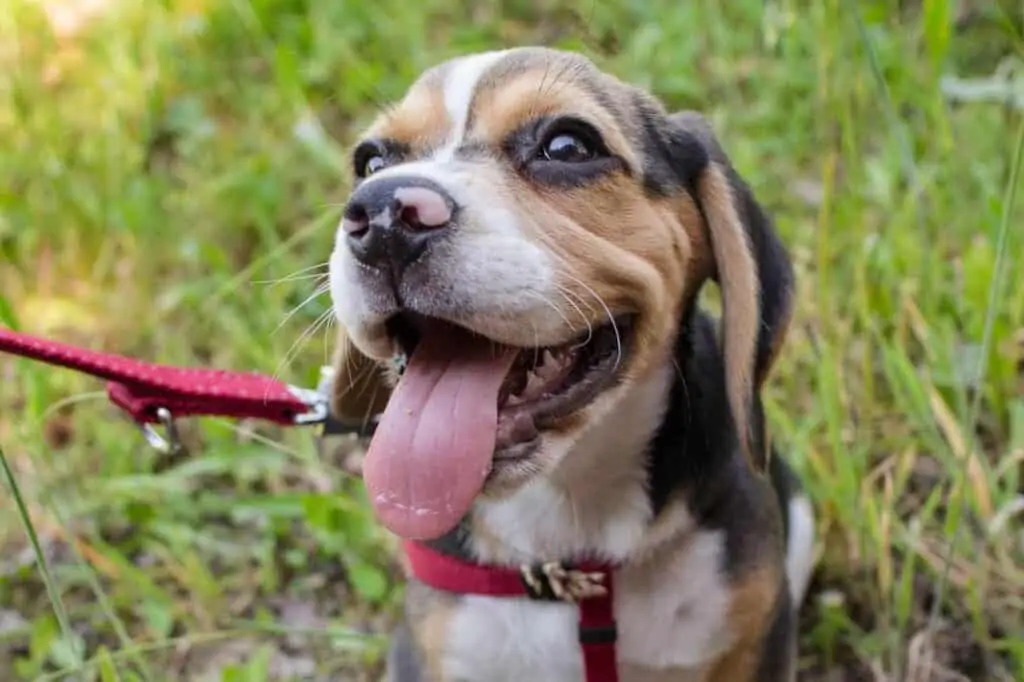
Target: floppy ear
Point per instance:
(360, 388)
(753, 271)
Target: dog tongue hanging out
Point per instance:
(433, 446)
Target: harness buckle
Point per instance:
(556, 581)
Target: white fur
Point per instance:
(540, 514)
(678, 617)
(800, 548)
(513, 640)
(459, 87)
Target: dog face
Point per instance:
(529, 231)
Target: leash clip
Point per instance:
(170, 443)
(317, 403)
(317, 399)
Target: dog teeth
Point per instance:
(534, 384)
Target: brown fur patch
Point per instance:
(359, 389)
(506, 105)
(737, 275)
(430, 613)
(700, 259)
(420, 119)
(750, 610)
(617, 252)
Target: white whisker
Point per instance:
(303, 274)
(554, 306)
(608, 313)
(312, 329)
(319, 291)
(290, 278)
(571, 298)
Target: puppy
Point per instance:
(516, 275)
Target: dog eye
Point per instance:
(371, 165)
(371, 157)
(567, 148)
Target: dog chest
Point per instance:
(510, 640)
(672, 617)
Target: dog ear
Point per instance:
(751, 266)
(360, 387)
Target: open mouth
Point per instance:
(465, 406)
(544, 384)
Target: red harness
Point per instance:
(548, 582)
(152, 393)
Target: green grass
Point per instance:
(166, 161)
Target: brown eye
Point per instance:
(372, 165)
(567, 148)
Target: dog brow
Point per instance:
(460, 86)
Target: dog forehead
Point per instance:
(443, 101)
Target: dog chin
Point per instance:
(519, 465)
(553, 450)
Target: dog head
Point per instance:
(524, 238)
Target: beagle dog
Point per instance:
(516, 275)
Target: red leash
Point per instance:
(160, 393)
(153, 393)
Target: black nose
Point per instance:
(390, 221)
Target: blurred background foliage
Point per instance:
(170, 181)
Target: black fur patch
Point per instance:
(696, 453)
(696, 434)
(674, 158)
(774, 269)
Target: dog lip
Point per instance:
(596, 367)
(599, 375)
(517, 452)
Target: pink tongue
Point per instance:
(433, 446)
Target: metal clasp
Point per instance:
(170, 442)
(317, 399)
(317, 403)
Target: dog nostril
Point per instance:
(355, 221)
(422, 208)
(410, 216)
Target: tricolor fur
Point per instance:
(668, 470)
